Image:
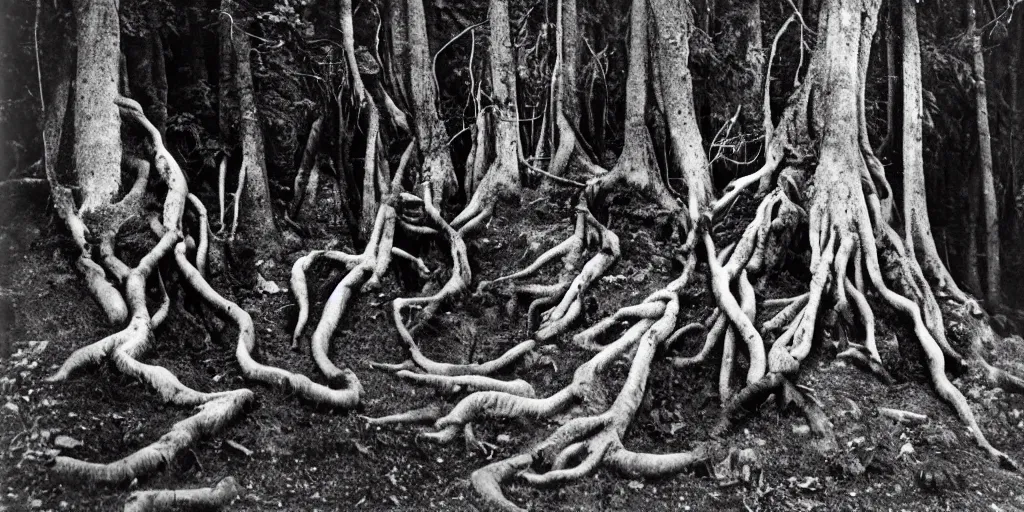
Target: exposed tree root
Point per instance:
(206, 498)
(586, 442)
(502, 177)
(565, 298)
(215, 409)
(364, 270)
(449, 375)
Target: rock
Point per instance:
(67, 442)
(906, 449)
(264, 286)
(801, 430)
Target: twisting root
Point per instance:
(447, 374)
(222, 174)
(456, 383)
(933, 352)
(300, 384)
(562, 302)
(365, 269)
(215, 409)
(206, 498)
(592, 440)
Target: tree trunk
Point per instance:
(503, 95)
(502, 177)
(257, 226)
(97, 121)
(431, 136)
(673, 35)
(918, 229)
(988, 189)
(972, 274)
(399, 60)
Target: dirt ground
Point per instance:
(308, 458)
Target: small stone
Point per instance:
(801, 430)
(67, 442)
(906, 449)
(504, 438)
(265, 286)
(36, 503)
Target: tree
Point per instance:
(991, 218)
(824, 199)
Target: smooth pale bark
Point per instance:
(503, 93)
(988, 188)
(97, 122)
(674, 26)
(918, 229)
(257, 227)
(430, 132)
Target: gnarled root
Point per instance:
(206, 498)
(842, 225)
(215, 409)
(364, 270)
(449, 375)
(581, 445)
(558, 306)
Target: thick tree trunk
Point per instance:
(436, 161)
(991, 218)
(502, 176)
(505, 169)
(918, 230)
(97, 122)
(256, 223)
(564, 98)
(673, 50)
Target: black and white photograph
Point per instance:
(512, 255)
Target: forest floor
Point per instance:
(307, 458)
